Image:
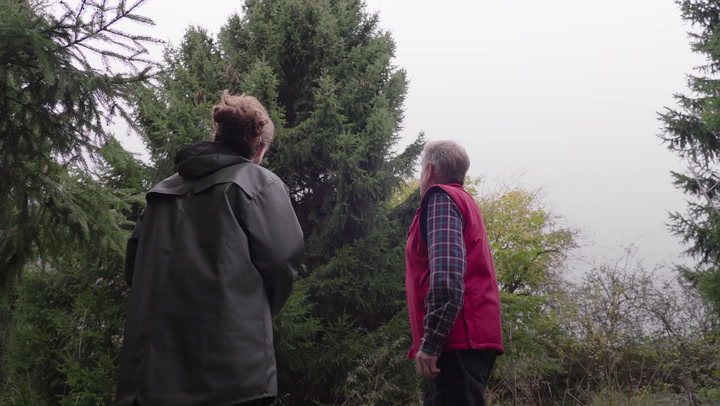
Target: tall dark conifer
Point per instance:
(692, 131)
(325, 71)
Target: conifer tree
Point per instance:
(692, 132)
(325, 71)
(61, 79)
(69, 311)
(64, 74)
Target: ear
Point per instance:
(259, 157)
(429, 171)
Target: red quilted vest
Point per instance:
(478, 323)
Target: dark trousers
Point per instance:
(462, 379)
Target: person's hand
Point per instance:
(426, 365)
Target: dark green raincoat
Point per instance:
(209, 263)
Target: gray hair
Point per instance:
(449, 159)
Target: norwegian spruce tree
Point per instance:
(69, 309)
(324, 70)
(692, 131)
(59, 83)
(65, 199)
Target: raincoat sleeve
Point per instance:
(276, 241)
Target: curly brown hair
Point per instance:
(242, 123)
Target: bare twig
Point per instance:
(704, 191)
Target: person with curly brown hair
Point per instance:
(211, 260)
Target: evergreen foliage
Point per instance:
(61, 78)
(691, 131)
(64, 74)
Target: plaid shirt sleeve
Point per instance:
(446, 250)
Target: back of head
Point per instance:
(243, 124)
(449, 160)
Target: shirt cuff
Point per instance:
(430, 347)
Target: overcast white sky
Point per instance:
(558, 94)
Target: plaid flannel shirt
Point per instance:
(446, 251)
